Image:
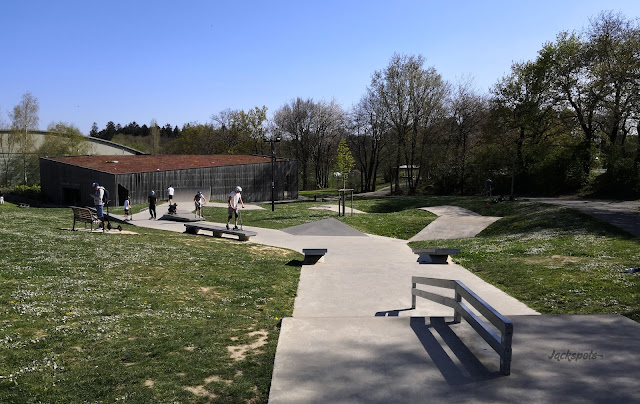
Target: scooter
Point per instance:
(109, 221)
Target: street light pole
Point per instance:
(273, 141)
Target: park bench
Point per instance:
(194, 228)
(313, 255)
(84, 215)
(500, 343)
(435, 255)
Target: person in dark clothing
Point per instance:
(152, 204)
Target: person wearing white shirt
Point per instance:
(170, 191)
(234, 198)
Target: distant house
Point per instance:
(67, 180)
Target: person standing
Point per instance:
(98, 196)
(127, 208)
(234, 197)
(197, 202)
(170, 191)
(1, 198)
(489, 187)
(152, 204)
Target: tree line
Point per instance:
(565, 121)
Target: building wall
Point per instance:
(68, 184)
(71, 185)
(96, 146)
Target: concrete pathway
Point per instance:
(453, 222)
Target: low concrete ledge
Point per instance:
(434, 255)
(313, 255)
(243, 235)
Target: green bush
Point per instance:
(26, 191)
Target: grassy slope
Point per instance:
(139, 317)
(554, 259)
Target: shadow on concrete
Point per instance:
(471, 370)
(556, 358)
(391, 313)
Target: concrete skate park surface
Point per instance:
(453, 222)
(354, 338)
(563, 358)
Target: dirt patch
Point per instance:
(200, 391)
(112, 231)
(281, 252)
(239, 352)
(208, 293)
(212, 379)
(149, 383)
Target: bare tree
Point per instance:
(154, 131)
(468, 114)
(7, 144)
(369, 130)
(295, 120)
(25, 118)
(413, 98)
(329, 127)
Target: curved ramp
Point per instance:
(453, 222)
(327, 227)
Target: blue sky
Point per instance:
(183, 61)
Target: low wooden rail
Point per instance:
(500, 343)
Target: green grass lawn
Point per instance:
(147, 317)
(160, 316)
(554, 259)
(380, 219)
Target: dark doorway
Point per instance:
(71, 196)
(122, 194)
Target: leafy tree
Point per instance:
(344, 161)
(94, 130)
(249, 128)
(63, 140)
(109, 132)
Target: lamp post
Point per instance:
(273, 141)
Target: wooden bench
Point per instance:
(435, 255)
(313, 255)
(194, 228)
(84, 215)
